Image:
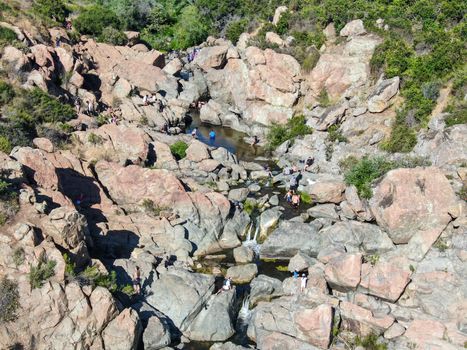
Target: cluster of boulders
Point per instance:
(117, 198)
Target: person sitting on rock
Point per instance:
(308, 163)
(255, 140)
(194, 133)
(295, 200)
(226, 286)
(137, 280)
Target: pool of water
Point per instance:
(228, 138)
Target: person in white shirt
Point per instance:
(303, 283)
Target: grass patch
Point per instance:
(9, 300)
(18, 256)
(441, 244)
(305, 197)
(402, 138)
(323, 98)
(295, 127)
(178, 149)
(95, 139)
(334, 134)
(42, 272)
(249, 206)
(282, 268)
(151, 208)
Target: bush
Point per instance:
(128, 290)
(7, 37)
(52, 9)
(305, 197)
(190, 29)
(178, 149)
(363, 173)
(18, 256)
(392, 57)
(310, 61)
(282, 26)
(5, 145)
(457, 115)
(402, 138)
(370, 342)
(43, 271)
(93, 20)
(334, 134)
(113, 36)
(92, 276)
(6, 90)
(95, 139)
(249, 206)
(9, 300)
(70, 267)
(295, 127)
(323, 98)
(151, 208)
(235, 29)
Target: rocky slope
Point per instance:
(391, 267)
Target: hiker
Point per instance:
(267, 168)
(303, 283)
(295, 274)
(255, 140)
(295, 200)
(90, 107)
(226, 286)
(288, 196)
(294, 168)
(293, 183)
(77, 105)
(287, 171)
(212, 134)
(57, 42)
(137, 280)
(145, 100)
(194, 133)
(308, 163)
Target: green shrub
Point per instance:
(128, 290)
(95, 139)
(7, 37)
(9, 300)
(402, 137)
(178, 149)
(457, 114)
(51, 9)
(295, 127)
(282, 26)
(235, 29)
(249, 206)
(323, 98)
(334, 134)
(392, 57)
(6, 90)
(363, 173)
(92, 276)
(5, 145)
(151, 208)
(93, 20)
(18, 256)
(190, 29)
(305, 197)
(113, 36)
(70, 267)
(40, 273)
(310, 61)
(3, 219)
(370, 342)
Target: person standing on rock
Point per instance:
(90, 108)
(137, 280)
(293, 183)
(288, 196)
(303, 283)
(145, 100)
(295, 200)
(77, 105)
(212, 134)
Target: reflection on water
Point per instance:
(228, 138)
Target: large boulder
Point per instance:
(354, 27)
(242, 273)
(289, 239)
(343, 271)
(123, 332)
(181, 295)
(263, 288)
(414, 205)
(379, 100)
(211, 57)
(220, 309)
(327, 191)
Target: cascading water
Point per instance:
(245, 312)
(252, 242)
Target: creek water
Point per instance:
(230, 139)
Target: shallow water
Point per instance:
(228, 138)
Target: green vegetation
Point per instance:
(113, 36)
(370, 342)
(402, 137)
(9, 205)
(323, 98)
(295, 127)
(5, 145)
(54, 10)
(42, 272)
(249, 206)
(151, 208)
(9, 300)
(441, 244)
(305, 197)
(93, 20)
(178, 149)
(362, 173)
(70, 267)
(310, 61)
(282, 268)
(92, 276)
(371, 259)
(128, 290)
(18, 256)
(7, 37)
(6, 90)
(334, 134)
(95, 139)
(235, 29)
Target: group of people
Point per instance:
(153, 100)
(293, 198)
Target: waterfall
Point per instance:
(245, 313)
(253, 243)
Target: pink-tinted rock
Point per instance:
(197, 151)
(315, 325)
(208, 165)
(65, 58)
(421, 330)
(414, 205)
(43, 144)
(327, 191)
(211, 57)
(362, 321)
(344, 271)
(254, 56)
(42, 55)
(123, 332)
(385, 280)
(354, 27)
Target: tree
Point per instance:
(190, 29)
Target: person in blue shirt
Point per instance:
(212, 134)
(295, 274)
